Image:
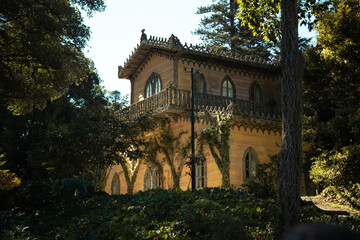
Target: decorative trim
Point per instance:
(176, 70)
(229, 70)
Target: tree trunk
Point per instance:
(96, 176)
(175, 176)
(233, 8)
(291, 146)
(225, 178)
(83, 180)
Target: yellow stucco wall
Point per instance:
(265, 144)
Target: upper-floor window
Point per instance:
(153, 85)
(250, 161)
(255, 92)
(153, 178)
(227, 88)
(115, 185)
(200, 175)
(199, 83)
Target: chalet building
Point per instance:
(245, 89)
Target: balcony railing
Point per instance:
(173, 99)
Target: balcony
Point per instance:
(173, 100)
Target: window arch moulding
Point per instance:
(250, 163)
(200, 175)
(228, 88)
(153, 85)
(153, 178)
(115, 184)
(255, 92)
(199, 83)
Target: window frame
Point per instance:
(153, 178)
(115, 181)
(254, 161)
(253, 86)
(153, 85)
(229, 82)
(200, 179)
(197, 83)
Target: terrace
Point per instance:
(173, 100)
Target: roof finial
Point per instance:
(143, 36)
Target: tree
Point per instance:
(332, 101)
(217, 139)
(131, 169)
(262, 17)
(220, 29)
(173, 150)
(8, 180)
(41, 45)
(60, 141)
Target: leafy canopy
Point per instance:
(220, 29)
(263, 16)
(41, 45)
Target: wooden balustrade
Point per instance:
(179, 99)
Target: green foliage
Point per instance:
(41, 45)
(61, 208)
(338, 173)
(262, 17)
(173, 148)
(332, 102)
(8, 180)
(264, 184)
(217, 139)
(220, 29)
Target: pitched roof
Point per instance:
(173, 46)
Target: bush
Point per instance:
(8, 180)
(209, 213)
(264, 185)
(348, 196)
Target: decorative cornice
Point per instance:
(173, 46)
(260, 126)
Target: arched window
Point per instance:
(200, 175)
(153, 178)
(115, 185)
(227, 88)
(153, 85)
(157, 178)
(250, 162)
(147, 180)
(199, 83)
(255, 92)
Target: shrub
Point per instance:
(8, 180)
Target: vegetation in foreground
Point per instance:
(67, 209)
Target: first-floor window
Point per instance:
(250, 164)
(153, 178)
(147, 180)
(157, 178)
(200, 175)
(115, 185)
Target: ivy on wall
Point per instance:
(173, 148)
(217, 139)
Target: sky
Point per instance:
(117, 30)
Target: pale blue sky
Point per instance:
(117, 31)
